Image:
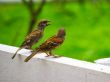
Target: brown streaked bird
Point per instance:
(34, 36)
(49, 44)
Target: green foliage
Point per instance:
(87, 27)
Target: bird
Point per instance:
(49, 44)
(34, 36)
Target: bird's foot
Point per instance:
(32, 51)
(56, 56)
(47, 56)
(29, 49)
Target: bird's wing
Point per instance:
(54, 40)
(48, 44)
(31, 37)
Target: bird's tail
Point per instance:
(16, 53)
(30, 56)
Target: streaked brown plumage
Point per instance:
(33, 37)
(49, 44)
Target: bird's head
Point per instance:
(61, 33)
(42, 24)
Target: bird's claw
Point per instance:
(32, 51)
(47, 56)
(56, 56)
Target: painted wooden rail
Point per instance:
(48, 69)
(103, 61)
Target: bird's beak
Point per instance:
(48, 23)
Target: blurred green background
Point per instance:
(87, 24)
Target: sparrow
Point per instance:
(49, 44)
(34, 36)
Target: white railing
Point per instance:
(103, 61)
(47, 69)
